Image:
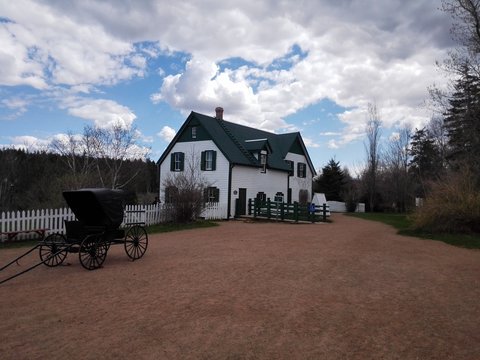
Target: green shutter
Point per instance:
(214, 161)
(202, 161)
(172, 162)
(217, 194)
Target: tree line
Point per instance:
(97, 158)
(440, 162)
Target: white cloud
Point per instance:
(40, 39)
(104, 113)
(329, 133)
(29, 143)
(353, 53)
(394, 136)
(16, 66)
(15, 103)
(309, 143)
(352, 63)
(332, 144)
(160, 72)
(19, 106)
(167, 133)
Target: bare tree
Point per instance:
(396, 167)
(111, 148)
(77, 154)
(466, 26)
(184, 190)
(372, 149)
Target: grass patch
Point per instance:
(398, 221)
(403, 223)
(18, 244)
(168, 227)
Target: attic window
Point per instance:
(194, 132)
(263, 161)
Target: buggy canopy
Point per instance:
(97, 207)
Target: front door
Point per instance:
(242, 202)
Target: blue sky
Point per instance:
(311, 67)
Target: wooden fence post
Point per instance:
(324, 212)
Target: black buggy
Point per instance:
(99, 214)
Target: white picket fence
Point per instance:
(53, 219)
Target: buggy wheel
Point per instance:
(92, 252)
(53, 250)
(136, 242)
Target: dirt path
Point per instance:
(351, 289)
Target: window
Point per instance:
(211, 194)
(261, 196)
(208, 160)
(290, 163)
(194, 132)
(301, 170)
(177, 161)
(171, 193)
(279, 197)
(263, 161)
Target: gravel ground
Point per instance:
(351, 289)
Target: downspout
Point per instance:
(229, 197)
(288, 185)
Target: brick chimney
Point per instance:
(219, 113)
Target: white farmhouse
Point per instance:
(239, 162)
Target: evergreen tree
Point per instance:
(426, 164)
(462, 123)
(331, 182)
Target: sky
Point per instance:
(281, 66)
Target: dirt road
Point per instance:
(352, 289)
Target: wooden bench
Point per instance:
(12, 234)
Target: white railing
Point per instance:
(53, 219)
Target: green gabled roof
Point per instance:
(235, 142)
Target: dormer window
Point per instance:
(263, 161)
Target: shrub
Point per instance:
(453, 205)
(184, 192)
(350, 196)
